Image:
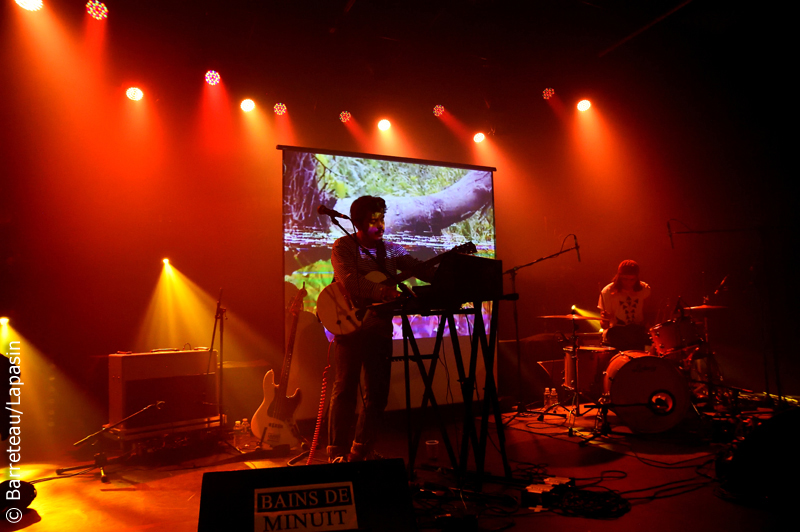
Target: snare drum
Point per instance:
(648, 393)
(675, 335)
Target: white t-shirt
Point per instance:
(625, 307)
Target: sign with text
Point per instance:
(310, 507)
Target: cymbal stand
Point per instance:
(765, 294)
(572, 386)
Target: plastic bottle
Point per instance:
(553, 396)
(547, 397)
(245, 432)
(237, 434)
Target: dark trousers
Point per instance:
(352, 353)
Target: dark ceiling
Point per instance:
(479, 56)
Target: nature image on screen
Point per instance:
(430, 209)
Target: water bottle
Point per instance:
(246, 432)
(237, 434)
(547, 397)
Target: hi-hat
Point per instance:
(705, 307)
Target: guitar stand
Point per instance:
(278, 451)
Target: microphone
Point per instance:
(669, 230)
(577, 247)
(322, 209)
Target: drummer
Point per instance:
(623, 305)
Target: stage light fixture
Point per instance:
(212, 77)
(134, 94)
(345, 116)
(384, 124)
(3, 321)
(97, 9)
(438, 110)
(248, 105)
(548, 93)
(280, 109)
(30, 5)
(166, 262)
(479, 137)
(584, 105)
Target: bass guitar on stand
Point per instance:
(274, 423)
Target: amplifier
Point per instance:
(186, 382)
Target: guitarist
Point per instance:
(370, 346)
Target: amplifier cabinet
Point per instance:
(186, 382)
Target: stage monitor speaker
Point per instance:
(370, 495)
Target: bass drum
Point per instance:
(649, 394)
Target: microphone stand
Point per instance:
(219, 317)
(513, 272)
(100, 459)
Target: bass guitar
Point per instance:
(274, 424)
(341, 315)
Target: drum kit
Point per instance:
(649, 391)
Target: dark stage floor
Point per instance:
(668, 479)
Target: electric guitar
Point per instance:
(274, 424)
(341, 315)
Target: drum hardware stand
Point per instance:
(769, 325)
(603, 404)
(513, 272)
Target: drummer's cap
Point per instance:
(628, 267)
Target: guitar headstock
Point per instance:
(467, 248)
(297, 302)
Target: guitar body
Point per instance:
(277, 430)
(336, 310)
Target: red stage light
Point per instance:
(345, 116)
(97, 9)
(384, 124)
(548, 93)
(134, 94)
(212, 77)
(479, 137)
(438, 110)
(30, 5)
(248, 105)
(280, 109)
(584, 105)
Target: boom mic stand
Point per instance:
(100, 459)
(219, 317)
(513, 272)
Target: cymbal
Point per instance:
(571, 317)
(705, 307)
